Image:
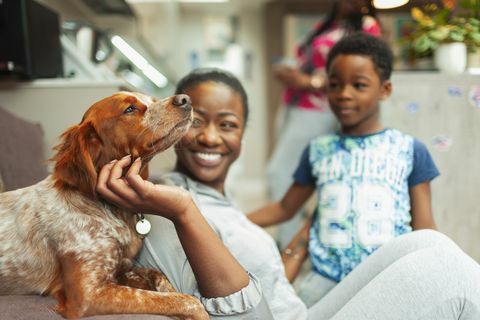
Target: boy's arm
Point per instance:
(296, 252)
(424, 170)
(420, 199)
(284, 209)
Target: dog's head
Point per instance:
(125, 123)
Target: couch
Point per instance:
(40, 308)
(22, 164)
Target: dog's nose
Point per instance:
(182, 101)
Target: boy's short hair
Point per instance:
(361, 43)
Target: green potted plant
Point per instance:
(446, 32)
(472, 24)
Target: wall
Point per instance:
(56, 105)
(435, 108)
(60, 103)
(76, 10)
(173, 32)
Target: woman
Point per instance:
(307, 113)
(208, 248)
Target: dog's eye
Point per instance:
(196, 123)
(130, 109)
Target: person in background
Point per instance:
(208, 248)
(305, 109)
(372, 183)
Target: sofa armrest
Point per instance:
(22, 161)
(41, 308)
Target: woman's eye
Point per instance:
(131, 108)
(228, 125)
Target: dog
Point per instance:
(58, 238)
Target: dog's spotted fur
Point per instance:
(57, 238)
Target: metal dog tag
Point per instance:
(143, 226)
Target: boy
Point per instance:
(373, 183)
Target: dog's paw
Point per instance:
(161, 283)
(195, 309)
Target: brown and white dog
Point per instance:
(57, 238)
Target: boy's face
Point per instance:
(354, 92)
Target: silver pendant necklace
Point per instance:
(142, 226)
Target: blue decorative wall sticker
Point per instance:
(474, 96)
(413, 107)
(455, 91)
(442, 142)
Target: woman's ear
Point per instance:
(76, 158)
(386, 89)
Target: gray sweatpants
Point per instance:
(420, 275)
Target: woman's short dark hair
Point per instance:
(367, 45)
(201, 75)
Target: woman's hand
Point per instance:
(296, 252)
(292, 77)
(134, 193)
(217, 272)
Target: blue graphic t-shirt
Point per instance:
(363, 194)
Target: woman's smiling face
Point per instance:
(214, 140)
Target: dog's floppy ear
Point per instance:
(76, 159)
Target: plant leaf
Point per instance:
(422, 44)
(439, 34)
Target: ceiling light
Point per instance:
(140, 62)
(388, 4)
(147, 1)
(202, 1)
(181, 1)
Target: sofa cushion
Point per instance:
(40, 308)
(22, 161)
